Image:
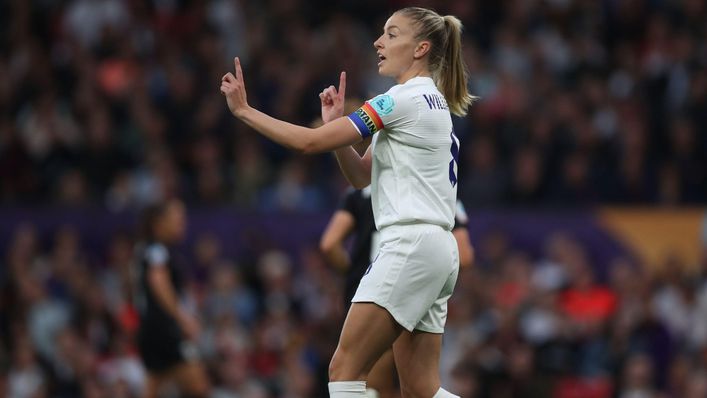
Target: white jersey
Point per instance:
(414, 176)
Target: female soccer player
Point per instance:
(355, 217)
(411, 166)
(167, 333)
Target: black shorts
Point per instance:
(162, 346)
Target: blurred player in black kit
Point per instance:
(167, 334)
(355, 217)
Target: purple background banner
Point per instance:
(241, 231)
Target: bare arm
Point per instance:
(466, 251)
(336, 134)
(355, 168)
(161, 285)
(363, 146)
(332, 242)
(354, 161)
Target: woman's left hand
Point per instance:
(233, 87)
(333, 100)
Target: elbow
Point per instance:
(304, 149)
(363, 179)
(308, 151)
(308, 146)
(360, 181)
(327, 248)
(359, 184)
(324, 246)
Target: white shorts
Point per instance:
(413, 275)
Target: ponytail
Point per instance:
(452, 75)
(446, 59)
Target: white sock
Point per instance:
(442, 393)
(347, 389)
(372, 393)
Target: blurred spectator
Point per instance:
(292, 191)
(609, 110)
(637, 378)
(228, 297)
(108, 102)
(696, 385)
(25, 378)
(519, 325)
(484, 184)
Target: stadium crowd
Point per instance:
(116, 102)
(519, 326)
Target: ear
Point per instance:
(422, 48)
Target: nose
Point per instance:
(377, 44)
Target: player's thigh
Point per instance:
(417, 358)
(369, 330)
(382, 376)
(411, 273)
(191, 378)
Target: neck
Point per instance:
(416, 70)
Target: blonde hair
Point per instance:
(445, 57)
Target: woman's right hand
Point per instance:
(233, 88)
(333, 100)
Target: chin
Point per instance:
(383, 72)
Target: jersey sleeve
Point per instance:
(156, 255)
(461, 219)
(386, 111)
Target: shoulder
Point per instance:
(366, 192)
(361, 195)
(460, 213)
(399, 92)
(398, 100)
(384, 104)
(156, 254)
(352, 195)
(397, 107)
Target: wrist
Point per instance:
(332, 118)
(243, 112)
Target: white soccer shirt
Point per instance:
(414, 176)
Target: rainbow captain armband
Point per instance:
(366, 120)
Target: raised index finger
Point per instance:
(239, 72)
(342, 84)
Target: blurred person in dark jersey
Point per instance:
(168, 332)
(354, 217)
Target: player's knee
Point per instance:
(342, 368)
(335, 366)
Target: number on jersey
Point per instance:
(453, 164)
